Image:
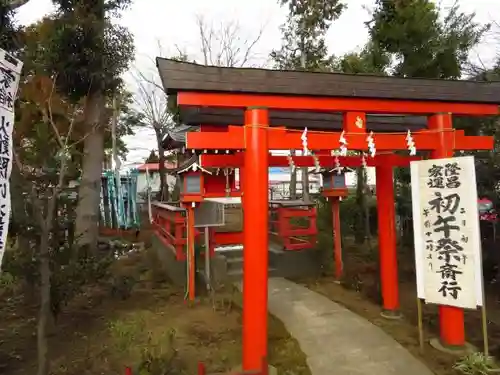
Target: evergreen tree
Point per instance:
(304, 48)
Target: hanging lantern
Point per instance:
(193, 182)
(334, 183)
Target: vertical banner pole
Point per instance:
(191, 252)
(484, 322)
(420, 315)
(484, 313)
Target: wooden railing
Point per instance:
(170, 226)
(169, 222)
(292, 224)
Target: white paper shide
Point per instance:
(10, 71)
(446, 230)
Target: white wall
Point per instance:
(154, 183)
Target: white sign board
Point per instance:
(10, 72)
(446, 231)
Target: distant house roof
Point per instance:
(154, 166)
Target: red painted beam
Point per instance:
(236, 160)
(472, 142)
(240, 100)
(282, 139)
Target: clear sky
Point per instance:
(168, 24)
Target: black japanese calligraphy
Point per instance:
(436, 177)
(3, 189)
(447, 176)
(4, 164)
(450, 288)
(443, 204)
(429, 245)
(3, 222)
(4, 136)
(452, 175)
(449, 271)
(7, 79)
(448, 249)
(443, 223)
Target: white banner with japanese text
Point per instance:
(10, 72)
(446, 231)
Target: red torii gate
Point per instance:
(260, 92)
(256, 139)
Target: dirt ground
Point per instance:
(100, 334)
(359, 292)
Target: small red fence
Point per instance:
(292, 224)
(170, 225)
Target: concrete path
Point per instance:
(336, 340)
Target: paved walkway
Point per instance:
(335, 340)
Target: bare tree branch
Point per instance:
(151, 100)
(224, 45)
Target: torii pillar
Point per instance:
(451, 319)
(387, 239)
(255, 238)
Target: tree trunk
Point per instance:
(360, 229)
(293, 180)
(163, 194)
(45, 317)
(368, 229)
(45, 310)
(89, 192)
(305, 171)
(305, 184)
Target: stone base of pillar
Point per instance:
(459, 351)
(391, 314)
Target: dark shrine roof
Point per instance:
(182, 76)
(176, 137)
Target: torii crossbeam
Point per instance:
(283, 139)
